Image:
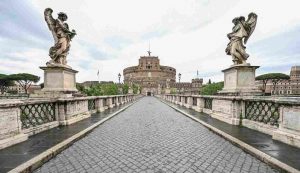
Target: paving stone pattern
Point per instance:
(151, 137)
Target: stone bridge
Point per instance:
(169, 133)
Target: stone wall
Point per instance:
(22, 118)
(276, 116)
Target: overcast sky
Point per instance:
(188, 35)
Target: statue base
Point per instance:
(239, 80)
(59, 81)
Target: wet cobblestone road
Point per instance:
(151, 137)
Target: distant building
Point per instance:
(192, 88)
(88, 84)
(18, 89)
(154, 78)
(285, 87)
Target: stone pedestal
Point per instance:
(58, 82)
(240, 80)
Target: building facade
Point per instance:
(18, 89)
(154, 78)
(285, 87)
(187, 88)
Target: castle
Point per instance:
(154, 78)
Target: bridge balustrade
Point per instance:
(35, 114)
(208, 103)
(22, 118)
(91, 104)
(266, 112)
(276, 116)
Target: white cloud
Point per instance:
(189, 35)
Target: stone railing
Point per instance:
(22, 118)
(276, 116)
(9, 96)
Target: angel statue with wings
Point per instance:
(62, 37)
(241, 32)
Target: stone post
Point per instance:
(289, 125)
(117, 102)
(200, 104)
(110, 102)
(61, 112)
(227, 109)
(10, 124)
(99, 105)
(75, 110)
(122, 100)
(189, 102)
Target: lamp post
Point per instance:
(119, 76)
(179, 77)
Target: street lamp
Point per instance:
(179, 77)
(119, 76)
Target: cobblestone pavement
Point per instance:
(151, 137)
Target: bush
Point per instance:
(135, 88)
(212, 89)
(125, 88)
(102, 89)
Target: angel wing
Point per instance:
(50, 22)
(251, 23)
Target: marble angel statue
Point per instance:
(62, 37)
(239, 36)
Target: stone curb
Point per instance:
(257, 153)
(42, 158)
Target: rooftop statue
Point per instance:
(62, 37)
(239, 36)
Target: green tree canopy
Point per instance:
(110, 89)
(212, 89)
(5, 82)
(80, 87)
(125, 88)
(173, 91)
(102, 89)
(273, 77)
(24, 79)
(135, 88)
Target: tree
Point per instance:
(209, 81)
(80, 87)
(94, 90)
(5, 82)
(24, 79)
(173, 91)
(212, 89)
(264, 78)
(125, 88)
(135, 88)
(110, 89)
(102, 89)
(273, 77)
